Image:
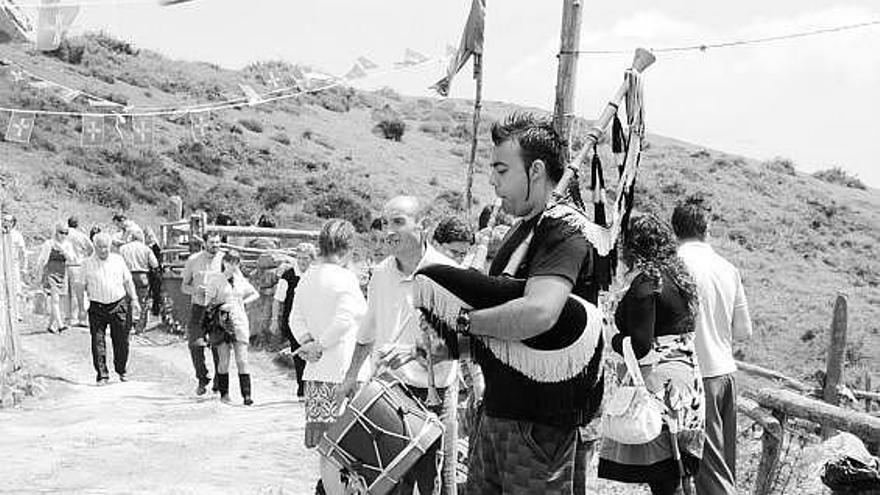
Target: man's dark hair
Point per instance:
(536, 137)
(453, 229)
(689, 219)
(94, 231)
(119, 217)
(73, 222)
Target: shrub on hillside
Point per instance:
(392, 129)
(58, 181)
(231, 199)
(199, 156)
(89, 160)
(281, 138)
(251, 125)
(71, 53)
(781, 165)
(273, 194)
(837, 175)
(111, 44)
(146, 169)
(341, 204)
(107, 193)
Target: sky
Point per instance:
(814, 100)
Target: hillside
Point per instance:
(797, 239)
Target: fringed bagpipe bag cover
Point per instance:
(441, 292)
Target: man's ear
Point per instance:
(537, 168)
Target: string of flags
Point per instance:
(135, 125)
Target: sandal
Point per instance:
(65, 327)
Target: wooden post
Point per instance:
(566, 75)
(478, 105)
(867, 381)
(771, 442)
(196, 231)
(834, 368)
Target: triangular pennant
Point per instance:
(356, 72)
(471, 43)
(411, 57)
(18, 75)
(68, 95)
(21, 125)
(92, 130)
(199, 126)
(251, 94)
(142, 130)
(366, 63)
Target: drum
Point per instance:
(382, 433)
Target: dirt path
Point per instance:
(150, 434)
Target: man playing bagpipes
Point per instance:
(390, 330)
(534, 326)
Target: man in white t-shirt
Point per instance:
(723, 316)
(391, 330)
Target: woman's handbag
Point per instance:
(218, 326)
(633, 415)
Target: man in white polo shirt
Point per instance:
(108, 283)
(390, 329)
(723, 316)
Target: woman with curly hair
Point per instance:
(657, 315)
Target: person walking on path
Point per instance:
(111, 297)
(229, 292)
(19, 259)
(54, 256)
(285, 291)
(82, 248)
(140, 261)
(723, 316)
(195, 269)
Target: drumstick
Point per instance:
(433, 396)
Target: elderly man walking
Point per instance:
(140, 259)
(110, 288)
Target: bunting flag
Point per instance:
(251, 94)
(199, 126)
(92, 130)
(356, 72)
(471, 44)
(142, 131)
(21, 125)
(119, 126)
(68, 95)
(410, 58)
(366, 63)
(52, 22)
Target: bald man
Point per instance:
(111, 297)
(140, 259)
(391, 329)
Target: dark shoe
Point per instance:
(51, 330)
(221, 381)
(103, 381)
(244, 381)
(319, 488)
(215, 387)
(202, 388)
(65, 327)
(123, 377)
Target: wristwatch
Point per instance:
(463, 322)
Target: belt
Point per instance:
(106, 305)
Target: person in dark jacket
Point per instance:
(281, 306)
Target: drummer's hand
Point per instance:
(345, 391)
(395, 358)
(311, 351)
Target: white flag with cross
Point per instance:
(199, 126)
(142, 130)
(92, 130)
(21, 125)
